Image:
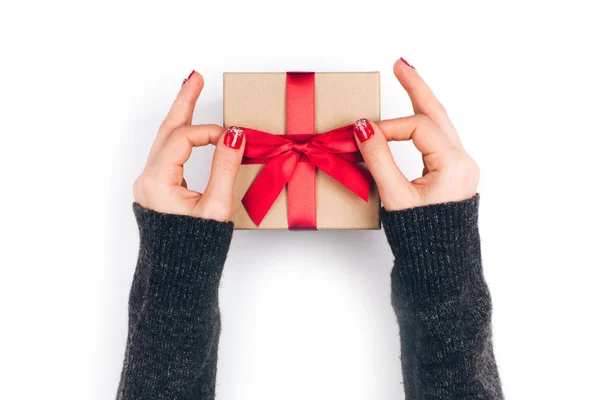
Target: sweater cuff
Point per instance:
(436, 248)
(184, 255)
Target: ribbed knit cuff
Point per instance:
(185, 255)
(436, 248)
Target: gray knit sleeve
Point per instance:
(442, 302)
(174, 320)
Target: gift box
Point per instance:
(302, 169)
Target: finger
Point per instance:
(425, 169)
(423, 99)
(182, 110)
(391, 183)
(226, 163)
(434, 145)
(177, 148)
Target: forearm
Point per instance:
(174, 322)
(442, 302)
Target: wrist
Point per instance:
(436, 247)
(185, 255)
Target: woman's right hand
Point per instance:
(450, 174)
(161, 186)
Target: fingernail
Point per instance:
(189, 76)
(363, 129)
(406, 62)
(233, 137)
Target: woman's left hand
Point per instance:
(161, 186)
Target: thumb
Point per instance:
(218, 196)
(391, 183)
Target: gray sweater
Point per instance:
(441, 301)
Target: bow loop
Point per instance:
(264, 145)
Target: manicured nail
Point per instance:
(233, 137)
(406, 62)
(363, 129)
(189, 76)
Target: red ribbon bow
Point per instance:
(334, 152)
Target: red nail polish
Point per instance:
(233, 137)
(406, 62)
(188, 78)
(363, 129)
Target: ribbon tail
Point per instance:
(353, 176)
(302, 194)
(267, 186)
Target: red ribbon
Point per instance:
(300, 119)
(292, 159)
(334, 152)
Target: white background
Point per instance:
(84, 85)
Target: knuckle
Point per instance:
(225, 163)
(422, 119)
(374, 153)
(467, 170)
(177, 139)
(177, 133)
(141, 186)
(468, 163)
(441, 108)
(213, 209)
(476, 173)
(164, 128)
(424, 123)
(169, 126)
(474, 167)
(139, 182)
(136, 188)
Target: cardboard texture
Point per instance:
(257, 100)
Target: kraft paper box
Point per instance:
(258, 101)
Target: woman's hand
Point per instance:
(449, 173)
(161, 186)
